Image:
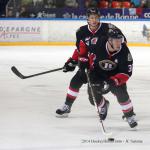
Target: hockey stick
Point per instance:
(96, 107)
(17, 73)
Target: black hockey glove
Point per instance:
(83, 63)
(111, 82)
(70, 65)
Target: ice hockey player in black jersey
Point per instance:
(110, 60)
(84, 33)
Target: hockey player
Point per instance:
(94, 28)
(110, 60)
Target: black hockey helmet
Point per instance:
(115, 34)
(92, 10)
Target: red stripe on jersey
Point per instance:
(71, 97)
(74, 90)
(125, 103)
(128, 110)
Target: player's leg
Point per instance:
(125, 103)
(76, 82)
(101, 102)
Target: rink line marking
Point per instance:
(58, 44)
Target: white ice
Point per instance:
(27, 107)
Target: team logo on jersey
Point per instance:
(87, 38)
(94, 40)
(130, 57)
(107, 65)
(87, 43)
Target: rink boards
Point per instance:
(62, 32)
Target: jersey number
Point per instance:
(108, 66)
(130, 68)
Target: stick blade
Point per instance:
(16, 72)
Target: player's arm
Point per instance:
(83, 61)
(85, 53)
(125, 70)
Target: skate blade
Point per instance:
(63, 115)
(134, 128)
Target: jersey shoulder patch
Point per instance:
(94, 40)
(127, 52)
(130, 57)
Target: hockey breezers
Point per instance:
(20, 75)
(96, 107)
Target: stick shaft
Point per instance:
(96, 107)
(20, 75)
(45, 72)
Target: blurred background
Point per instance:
(72, 8)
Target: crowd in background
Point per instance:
(88, 3)
(51, 3)
(119, 3)
(3, 7)
(25, 7)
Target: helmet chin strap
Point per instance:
(111, 44)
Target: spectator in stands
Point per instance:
(9, 13)
(71, 3)
(148, 3)
(91, 3)
(109, 3)
(38, 4)
(137, 3)
(3, 4)
(26, 2)
(54, 3)
(59, 3)
(49, 4)
(143, 3)
(116, 4)
(119, 0)
(132, 5)
(24, 13)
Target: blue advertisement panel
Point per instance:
(146, 13)
(132, 13)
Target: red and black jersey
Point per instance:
(107, 65)
(84, 33)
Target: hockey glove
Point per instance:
(83, 63)
(112, 82)
(118, 79)
(70, 65)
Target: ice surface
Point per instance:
(27, 107)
